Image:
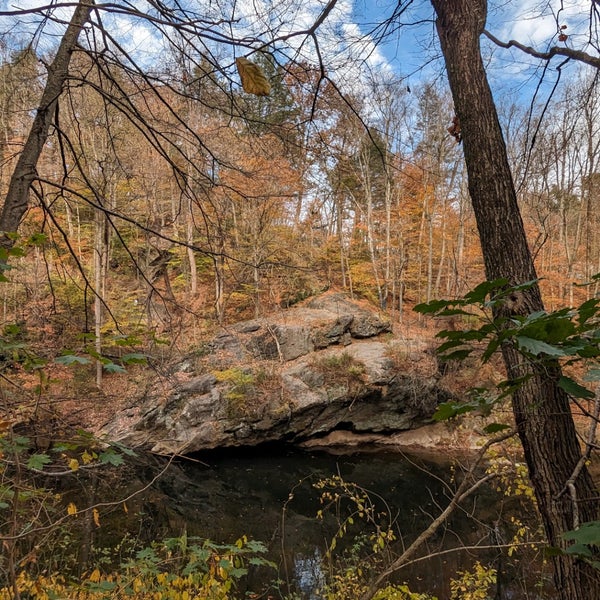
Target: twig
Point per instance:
(464, 490)
(11, 538)
(570, 483)
(274, 336)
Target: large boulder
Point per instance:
(321, 322)
(315, 370)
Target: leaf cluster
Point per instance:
(571, 335)
(179, 568)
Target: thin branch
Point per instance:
(464, 490)
(570, 484)
(36, 530)
(578, 55)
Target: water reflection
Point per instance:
(309, 576)
(270, 496)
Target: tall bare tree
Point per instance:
(541, 408)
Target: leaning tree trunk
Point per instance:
(541, 409)
(17, 197)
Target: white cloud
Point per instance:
(348, 54)
(537, 22)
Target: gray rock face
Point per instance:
(317, 369)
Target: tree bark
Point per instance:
(17, 197)
(541, 409)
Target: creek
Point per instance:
(270, 495)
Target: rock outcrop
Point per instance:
(317, 370)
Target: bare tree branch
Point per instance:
(578, 55)
(465, 489)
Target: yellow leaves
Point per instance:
(206, 572)
(87, 457)
(96, 516)
(138, 585)
(473, 585)
(73, 464)
(253, 79)
(71, 509)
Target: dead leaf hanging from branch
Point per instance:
(253, 79)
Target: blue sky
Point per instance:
(348, 28)
(511, 72)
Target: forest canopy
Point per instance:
(168, 169)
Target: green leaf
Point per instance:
(496, 427)
(550, 551)
(72, 359)
(478, 294)
(19, 443)
(574, 389)
(535, 347)
(126, 340)
(17, 251)
(588, 310)
(147, 554)
(123, 449)
(111, 367)
(579, 550)
(592, 375)
(586, 350)
(102, 586)
(433, 307)
(554, 328)
(458, 354)
(489, 351)
(134, 358)
(37, 239)
(447, 410)
(450, 312)
(37, 461)
(87, 336)
(588, 533)
(110, 457)
(523, 286)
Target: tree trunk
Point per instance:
(541, 409)
(17, 197)
(100, 273)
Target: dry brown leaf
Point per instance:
(253, 79)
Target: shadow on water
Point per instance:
(269, 495)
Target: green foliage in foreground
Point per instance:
(174, 569)
(570, 335)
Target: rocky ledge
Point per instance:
(325, 372)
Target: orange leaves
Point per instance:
(253, 79)
(454, 130)
(562, 36)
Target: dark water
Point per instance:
(271, 496)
